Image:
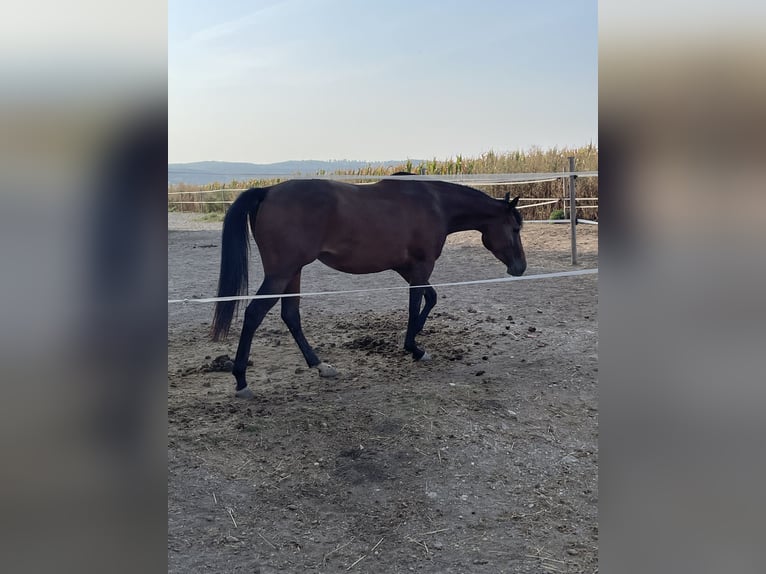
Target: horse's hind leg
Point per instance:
(292, 318)
(254, 313)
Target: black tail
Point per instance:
(235, 248)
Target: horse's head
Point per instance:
(503, 237)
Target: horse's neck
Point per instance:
(468, 211)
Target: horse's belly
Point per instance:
(358, 261)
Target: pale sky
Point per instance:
(276, 80)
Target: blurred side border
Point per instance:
(83, 165)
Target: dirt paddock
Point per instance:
(484, 459)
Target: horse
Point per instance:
(398, 224)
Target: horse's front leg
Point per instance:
(414, 325)
(429, 295)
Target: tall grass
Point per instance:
(534, 160)
(184, 198)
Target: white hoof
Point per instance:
(425, 357)
(326, 370)
(245, 393)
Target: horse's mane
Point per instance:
(451, 186)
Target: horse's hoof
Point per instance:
(245, 393)
(326, 370)
(425, 357)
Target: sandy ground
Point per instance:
(483, 460)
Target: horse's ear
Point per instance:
(507, 196)
(513, 202)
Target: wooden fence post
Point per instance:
(573, 209)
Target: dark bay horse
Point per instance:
(393, 224)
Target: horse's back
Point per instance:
(389, 203)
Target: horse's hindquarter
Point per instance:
(375, 228)
(291, 224)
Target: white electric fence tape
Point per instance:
(395, 288)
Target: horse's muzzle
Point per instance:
(516, 269)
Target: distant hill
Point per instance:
(202, 172)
